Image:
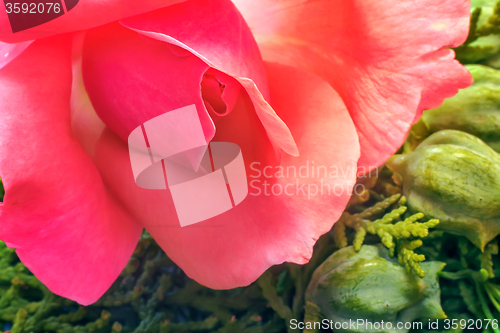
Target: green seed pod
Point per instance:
(475, 110)
(368, 285)
(454, 177)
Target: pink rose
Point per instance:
(323, 83)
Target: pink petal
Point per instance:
(377, 54)
(85, 15)
(444, 74)
(9, 52)
(225, 44)
(131, 79)
(220, 103)
(67, 228)
(234, 248)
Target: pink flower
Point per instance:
(325, 83)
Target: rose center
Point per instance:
(219, 92)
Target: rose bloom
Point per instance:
(334, 83)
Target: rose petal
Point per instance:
(376, 54)
(85, 15)
(9, 52)
(234, 248)
(225, 44)
(220, 91)
(67, 228)
(131, 80)
(442, 73)
(85, 124)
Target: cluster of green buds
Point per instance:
(393, 235)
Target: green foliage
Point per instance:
(477, 289)
(151, 295)
(275, 302)
(31, 307)
(312, 315)
(487, 260)
(391, 234)
(483, 41)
